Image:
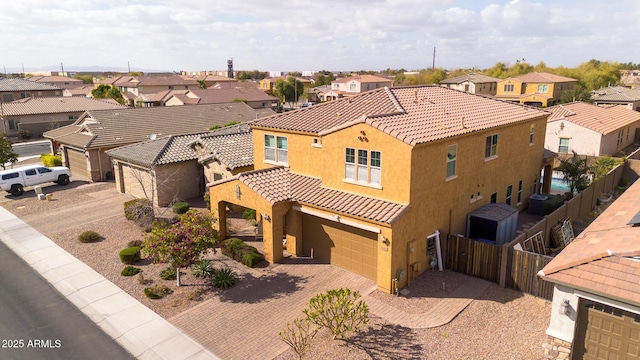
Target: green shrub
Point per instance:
(25, 134)
(51, 160)
(130, 255)
(133, 243)
(223, 278)
(207, 199)
(241, 252)
(168, 273)
(130, 271)
(157, 291)
(89, 236)
(139, 211)
(180, 207)
(339, 310)
(202, 269)
(249, 214)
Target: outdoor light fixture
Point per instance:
(565, 307)
(385, 240)
(266, 217)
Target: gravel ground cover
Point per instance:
(501, 324)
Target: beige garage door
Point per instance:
(137, 181)
(341, 245)
(605, 332)
(77, 163)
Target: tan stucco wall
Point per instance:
(303, 157)
(214, 166)
(179, 181)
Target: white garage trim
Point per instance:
(609, 302)
(337, 219)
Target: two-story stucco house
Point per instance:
(356, 84)
(473, 83)
(361, 182)
(536, 89)
(590, 129)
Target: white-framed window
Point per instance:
(491, 148)
(563, 148)
(365, 167)
(543, 88)
(452, 157)
(352, 87)
(620, 137)
(532, 131)
(519, 191)
(508, 87)
(13, 124)
(508, 195)
(276, 149)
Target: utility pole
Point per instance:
(62, 67)
(433, 64)
(129, 67)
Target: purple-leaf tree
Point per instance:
(182, 243)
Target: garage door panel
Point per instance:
(77, 162)
(605, 332)
(341, 245)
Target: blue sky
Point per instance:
(302, 35)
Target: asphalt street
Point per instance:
(34, 148)
(36, 322)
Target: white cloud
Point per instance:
(304, 35)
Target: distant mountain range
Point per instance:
(75, 68)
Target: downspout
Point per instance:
(100, 163)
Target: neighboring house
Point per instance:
(356, 84)
(133, 86)
(255, 98)
(590, 130)
(617, 95)
(82, 90)
(15, 89)
(630, 79)
(210, 80)
(269, 84)
(362, 182)
(473, 83)
(318, 93)
(41, 114)
(595, 312)
(177, 167)
(64, 82)
(83, 144)
(536, 89)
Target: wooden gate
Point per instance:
(475, 258)
(522, 273)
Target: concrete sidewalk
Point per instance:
(135, 327)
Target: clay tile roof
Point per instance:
(413, 115)
(278, 184)
(55, 105)
(363, 79)
(616, 93)
(110, 128)
(609, 243)
(471, 77)
(234, 149)
(15, 84)
(600, 119)
(542, 77)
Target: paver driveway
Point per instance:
(243, 323)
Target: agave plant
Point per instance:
(223, 278)
(202, 269)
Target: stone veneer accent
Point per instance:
(556, 349)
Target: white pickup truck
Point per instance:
(15, 180)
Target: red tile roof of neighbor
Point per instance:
(542, 77)
(363, 79)
(55, 105)
(605, 258)
(593, 117)
(413, 115)
(278, 184)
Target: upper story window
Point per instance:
(507, 198)
(452, 157)
(563, 148)
(508, 87)
(543, 88)
(466, 87)
(491, 148)
(276, 149)
(367, 169)
(352, 87)
(532, 131)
